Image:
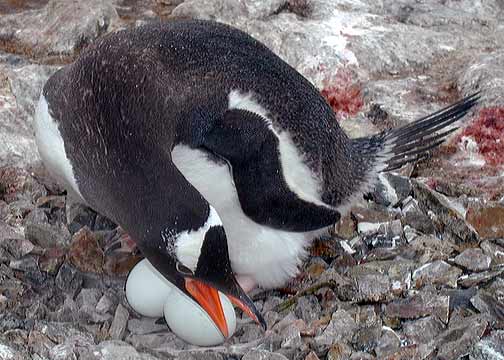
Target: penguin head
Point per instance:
(200, 267)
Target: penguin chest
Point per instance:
(51, 148)
(269, 256)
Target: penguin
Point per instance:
(219, 159)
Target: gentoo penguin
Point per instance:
(212, 153)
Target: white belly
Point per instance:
(269, 256)
(52, 148)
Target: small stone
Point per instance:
(39, 343)
(419, 305)
(366, 339)
(292, 337)
(388, 343)
(415, 218)
(474, 260)
(495, 251)
(48, 236)
(159, 340)
(339, 351)
(468, 281)
(85, 252)
(489, 348)
(51, 201)
(68, 279)
(372, 288)
(422, 331)
(448, 217)
(308, 308)
(458, 341)
(36, 216)
(436, 273)
(263, 355)
(17, 247)
(341, 328)
(144, 326)
(345, 228)
(112, 350)
(360, 355)
(286, 321)
(52, 259)
(79, 216)
(88, 297)
(251, 332)
(105, 304)
(36, 311)
(118, 327)
(311, 356)
(64, 351)
(488, 303)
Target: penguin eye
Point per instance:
(182, 269)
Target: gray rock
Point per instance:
(391, 189)
(490, 303)
(458, 341)
(495, 251)
(308, 308)
(119, 324)
(36, 216)
(388, 343)
(63, 352)
(112, 350)
(61, 28)
(106, 303)
(489, 348)
(9, 353)
(292, 337)
(251, 332)
(161, 340)
(468, 281)
(420, 305)
(61, 332)
(372, 288)
(474, 260)
(263, 355)
(448, 218)
(436, 273)
(414, 217)
(422, 331)
(144, 326)
(47, 235)
(89, 297)
(69, 279)
(366, 339)
(341, 328)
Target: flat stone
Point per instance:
(372, 288)
(424, 330)
(474, 260)
(415, 217)
(112, 350)
(420, 305)
(436, 273)
(488, 220)
(144, 326)
(341, 328)
(159, 340)
(489, 348)
(489, 303)
(105, 304)
(263, 355)
(388, 343)
(458, 341)
(468, 281)
(17, 247)
(292, 337)
(47, 235)
(39, 343)
(449, 219)
(308, 308)
(118, 326)
(68, 279)
(495, 251)
(339, 351)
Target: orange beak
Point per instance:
(238, 303)
(209, 300)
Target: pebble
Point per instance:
(119, 324)
(473, 260)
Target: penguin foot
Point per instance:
(121, 242)
(246, 282)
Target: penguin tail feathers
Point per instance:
(410, 143)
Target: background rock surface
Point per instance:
(415, 272)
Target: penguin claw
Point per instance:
(121, 242)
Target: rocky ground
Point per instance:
(414, 272)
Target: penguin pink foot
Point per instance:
(121, 242)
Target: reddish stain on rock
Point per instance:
(85, 252)
(488, 131)
(343, 93)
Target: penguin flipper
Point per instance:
(247, 141)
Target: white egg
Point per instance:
(150, 294)
(147, 290)
(192, 324)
